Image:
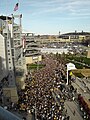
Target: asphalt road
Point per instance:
(71, 107)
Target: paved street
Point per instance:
(71, 106)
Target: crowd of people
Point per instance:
(45, 92)
(37, 98)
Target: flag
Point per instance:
(16, 7)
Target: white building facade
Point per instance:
(3, 65)
(54, 50)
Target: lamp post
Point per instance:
(67, 77)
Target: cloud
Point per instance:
(62, 7)
(78, 5)
(51, 10)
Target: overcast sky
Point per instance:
(50, 16)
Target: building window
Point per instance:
(12, 52)
(9, 67)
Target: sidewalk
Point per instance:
(71, 106)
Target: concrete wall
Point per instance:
(3, 67)
(11, 93)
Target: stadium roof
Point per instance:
(77, 33)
